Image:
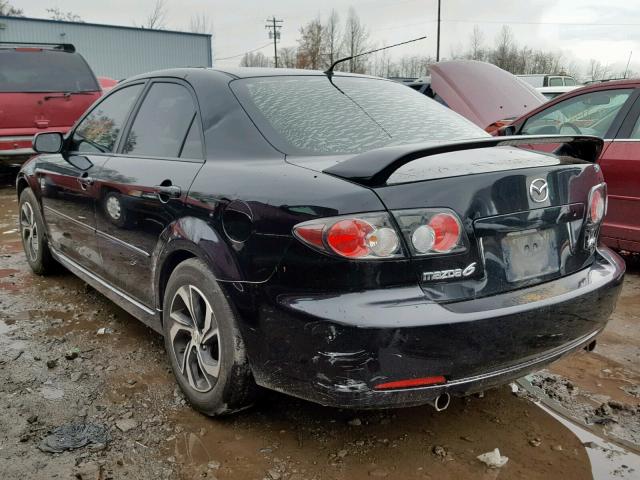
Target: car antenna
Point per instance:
(329, 71)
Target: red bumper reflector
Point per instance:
(413, 382)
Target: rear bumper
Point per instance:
(334, 349)
(15, 150)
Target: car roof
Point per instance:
(242, 72)
(608, 83)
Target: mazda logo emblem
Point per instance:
(539, 190)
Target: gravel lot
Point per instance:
(56, 369)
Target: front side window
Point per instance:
(313, 115)
(161, 125)
(99, 130)
(588, 114)
(569, 82)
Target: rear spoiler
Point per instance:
(373, 168)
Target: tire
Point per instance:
(209, 362)
(33, 235)
(115, 211)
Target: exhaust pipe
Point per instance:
(590, 347)
(441, 402)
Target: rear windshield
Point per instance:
(44, 71)
(308, 115)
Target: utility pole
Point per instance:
(438, 38)
(274, 32)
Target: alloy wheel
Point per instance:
(29, 230)
(194, 338)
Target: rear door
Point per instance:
(143, 187)
(620, 164)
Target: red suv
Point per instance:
(43, 88)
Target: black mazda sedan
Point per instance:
(336, 237)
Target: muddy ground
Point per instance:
(55, 369)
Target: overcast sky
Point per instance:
(582, 29)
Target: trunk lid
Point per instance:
(515, 240)
(516, 237)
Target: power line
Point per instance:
(515, 22)
(244, 53)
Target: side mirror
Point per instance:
(507, 130)
(80, 162)
(48, 142)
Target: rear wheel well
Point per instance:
(169, 265)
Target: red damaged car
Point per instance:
(43, 87)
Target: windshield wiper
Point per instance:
(68, 94)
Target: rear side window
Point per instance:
(99, 130)
(45, 71)
(192, 147)
(590, 114)
(310, 115)
(162, 123)
(555, 82)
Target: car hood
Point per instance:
(482, 92)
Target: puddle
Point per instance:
(608, 461)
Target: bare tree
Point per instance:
(157, 18)
(331, 45)
(256, 59)
(310, 45)
(505, 50)
(356, 41)
(200, 23)
(56, 14)
(8, 10)
(598, 71)
(476, 52)
(288, 57)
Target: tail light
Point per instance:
(597, 204)
(431, 231)
(366, 236)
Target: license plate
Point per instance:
(530, 254)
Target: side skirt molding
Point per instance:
(143, 313)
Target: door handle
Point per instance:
(168, 191)
(85, 182)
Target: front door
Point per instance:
(68, 185)
(144, 185)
